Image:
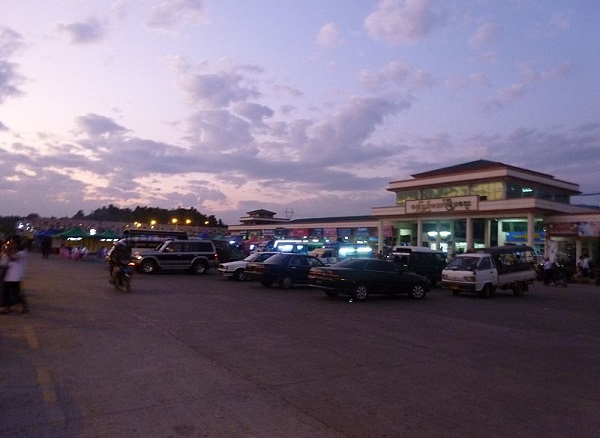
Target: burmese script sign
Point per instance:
(442, 205)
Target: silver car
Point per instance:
(237, 270)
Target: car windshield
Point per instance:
(252, 257)
(463, 264)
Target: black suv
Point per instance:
(193, 255)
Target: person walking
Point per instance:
(11, 289)
(548, 275)
(585, 266)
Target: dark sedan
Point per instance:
(362, 277)
(284, 269)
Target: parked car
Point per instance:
(194, 255)
(237, 270)
(284, 269)
(360, 278)
(227, 251)
(423, 261)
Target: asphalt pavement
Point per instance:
(201, 356)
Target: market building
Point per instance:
(475, 204)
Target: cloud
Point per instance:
(216, 90)
(534, 76)
(94, 125)
(329, 36)
(253, 112)
(402, 21)
(10, 78)
(504, 97)
(85, 32)
(484, 34)
(169, 14)
(396, 73)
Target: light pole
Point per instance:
(174, 222)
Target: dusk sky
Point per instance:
(313, 106)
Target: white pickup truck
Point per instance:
(487, 270)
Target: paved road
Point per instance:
(202, 356)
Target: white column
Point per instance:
(469, 232)
(380, 235)
(419, 232)
(487, 240)
(530, 229)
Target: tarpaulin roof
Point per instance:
(73, 232)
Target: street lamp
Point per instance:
(174, 222)
(152, 223)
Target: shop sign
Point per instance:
(388, 231)
(317, 232)
(563, 229)
(362, 232)
(521, 237)
(345, 232)
(442, 205)
(268, 232)
(300, 232)
(329, 232)
(588, 229)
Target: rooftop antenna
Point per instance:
(289, 213)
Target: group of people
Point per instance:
(550, 269)
(13, 260)
(583, 266)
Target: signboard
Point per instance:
(362, 232)
(300, 232)
(588, 229)
(562, 229)
(521, 237)
(442, 205)
(330, 232)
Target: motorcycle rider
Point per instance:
(120, 254)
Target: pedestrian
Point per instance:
(585, 266)
(3, 264)
(11, 288)
(548, 275)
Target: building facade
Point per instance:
(476, 204)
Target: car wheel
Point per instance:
(486, 292)
(331, 294)
(418, 291)
(266, 283)
(148, 266)
(286, 282)
(360, 292)
(519, 289)
(240, 275)
(199, 268)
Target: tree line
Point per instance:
(143, 215)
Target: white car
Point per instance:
(326, 255)
(237, 270)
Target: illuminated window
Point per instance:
(402, 197)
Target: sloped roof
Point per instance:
(473, 166)
(74, 232)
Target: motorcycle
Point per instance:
(121, 277)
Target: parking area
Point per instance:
(189, 355)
